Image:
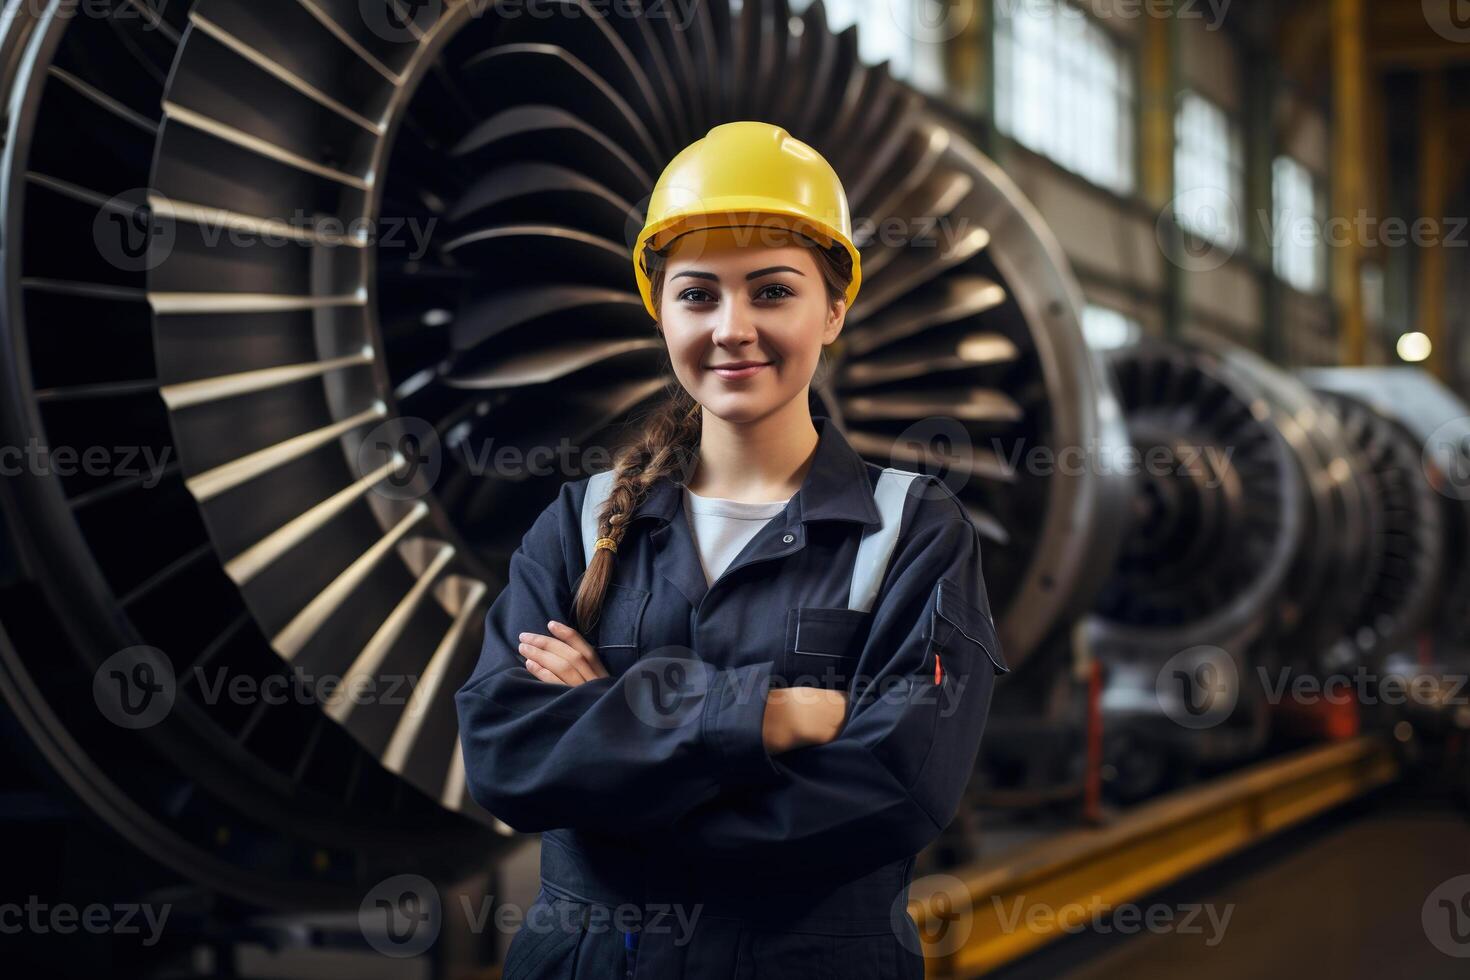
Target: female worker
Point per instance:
(739, 680)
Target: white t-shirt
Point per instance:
(721, 527)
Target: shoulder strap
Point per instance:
(599, 488)
(874, 551)
(876, 548)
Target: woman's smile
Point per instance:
(739, 370)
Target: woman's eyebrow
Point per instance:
(699, 274)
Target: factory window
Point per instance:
(1064, 88)
(908, 34)
(1209, 171)
(1296, 240)
(1105, 328)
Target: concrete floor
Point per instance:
(1341, 898)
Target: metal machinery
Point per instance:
(200, 209)
(1280, 530)
(1217, 524)
(1413, 432)
(1415, 621)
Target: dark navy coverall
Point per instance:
(673, 845)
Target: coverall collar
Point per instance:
(836, 487)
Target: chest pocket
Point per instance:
(823, 646)
(618, 627)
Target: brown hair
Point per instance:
(668, 444)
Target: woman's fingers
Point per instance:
(575, 640)
(542, 651)
(539, 672)
(567, 663)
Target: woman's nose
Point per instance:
(735, 326)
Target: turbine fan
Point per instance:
(297, 363)
(1334, 563)
(1216, 520)
(521, 325)
(1409, 540)
(217, 414)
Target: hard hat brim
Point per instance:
(740, 212)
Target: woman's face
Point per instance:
(743, 296)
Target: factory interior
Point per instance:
(1173, 295)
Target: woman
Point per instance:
(738, 681)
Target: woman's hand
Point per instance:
(561, 658)
(795, 716)
(801, 716)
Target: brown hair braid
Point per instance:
(668, 444)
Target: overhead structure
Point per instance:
(325, 262)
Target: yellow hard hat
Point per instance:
(741, 173)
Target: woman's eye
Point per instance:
(696, 295)
(764, 293)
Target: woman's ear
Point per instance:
(836, 318)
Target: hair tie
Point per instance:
(607, 543)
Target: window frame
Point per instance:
(1281, 266)
(1126, 72)
(1236, 167)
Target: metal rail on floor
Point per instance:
(979, 917)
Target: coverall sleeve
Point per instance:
(893, 778)
(623, 754)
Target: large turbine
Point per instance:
(323, 259)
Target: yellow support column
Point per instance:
(1349, 188)
(1433, 189)
(1159, 76)
(969, 60)
(1158, 108)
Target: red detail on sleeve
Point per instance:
(938, 674)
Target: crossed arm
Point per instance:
(794, 717)
(733, 768)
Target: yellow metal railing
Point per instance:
(977, 918)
